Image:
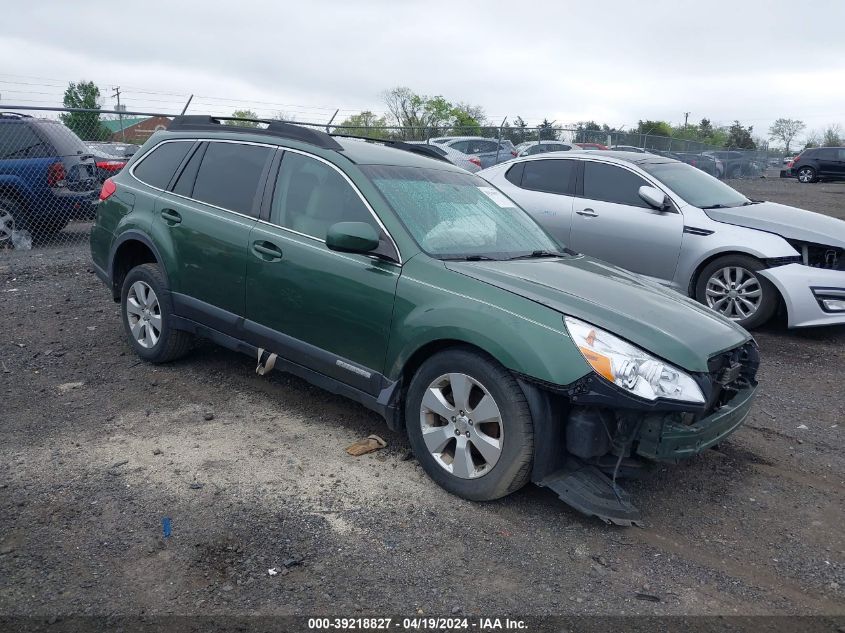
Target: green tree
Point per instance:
(588, 132)
(654, 128)
(739, 137)
(244, 114)
(86, 125)
(546, 130)
(425, 116)
(364, 123)
(786, 130)
(516, 133)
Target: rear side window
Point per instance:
(64, 141)
(514, 174)
(20, 141)
(828, 153)
(157, 168)
(550, 176)
(184, 185)
(610, 183)
(230, 174)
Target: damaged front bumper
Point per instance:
(668, 439)
(597, 433)
(813, 296)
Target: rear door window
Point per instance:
(18, 140)
(64, 141)
(610, 183)
(230, 174)
(550, 176)
(157, 168)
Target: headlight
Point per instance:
(630, 367)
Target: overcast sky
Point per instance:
(613, 61)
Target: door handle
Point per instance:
(170, 216)
(267, 249)
(588, 213)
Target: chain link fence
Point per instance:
(53, 161)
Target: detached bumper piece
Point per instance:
(591, 492)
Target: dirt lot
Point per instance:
(96, 448)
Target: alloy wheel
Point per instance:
(144, 314)
(805, 175)
(461, 425)
(735, 292)
(7, 225)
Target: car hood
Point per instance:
(788, 222)
(659, 320)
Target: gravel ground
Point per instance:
(96, 448)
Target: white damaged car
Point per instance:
(671, 222)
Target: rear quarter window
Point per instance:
(158, 166)
(19, 141)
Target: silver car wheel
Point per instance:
(7, 225)
(805, 175)
(461, 425)
(144, 314)
(735, 292)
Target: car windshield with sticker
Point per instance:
(457, 216)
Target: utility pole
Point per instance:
(686, 117)
(119, 112)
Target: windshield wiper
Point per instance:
(537, 255)
(717, 206)
(469, 258)
(749, 202)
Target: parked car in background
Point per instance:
(736, 164)
(47, 176)
(107, 163)
(488, 150)
(423, 293)
(675, 224)
(529, 148)
(471, 163)
(819, 163)
(591, 145)
(116, 150)
(704, 162)
(630, 148)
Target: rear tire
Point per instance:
(731, 285)
(482, 446)
(147, 316)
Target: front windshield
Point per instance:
(458, 215)
(695, 187)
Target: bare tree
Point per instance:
(832, 135)
(786, 130)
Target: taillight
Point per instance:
(56, 175)
(111, 165)
(108, 189)
(475, 161)
(693, 162)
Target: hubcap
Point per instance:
(734, 292)
(144, 314)
(461, 425)
(7, 225)
(804, 175)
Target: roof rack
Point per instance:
(202, 123)
(15, 114)
(424, 150)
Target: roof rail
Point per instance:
(423, 150)
(202, 123)
(16, 114)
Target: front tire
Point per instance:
(733, 287)
(147, 313)
(11, 220)
(469, 425)
(806, 175)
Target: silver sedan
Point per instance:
(671, 222)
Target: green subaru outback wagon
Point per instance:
(420, 291)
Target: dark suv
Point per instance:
(47, 176)
(819, 163)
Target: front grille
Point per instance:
(730, 372)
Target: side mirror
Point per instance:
(655, 198)
(352, 237)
